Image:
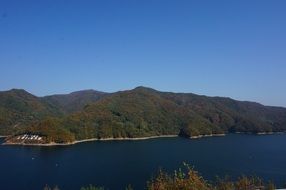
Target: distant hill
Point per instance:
(75, 101)
(133, 113)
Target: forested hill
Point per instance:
(75, 101)
(134, 113)
(19, 108)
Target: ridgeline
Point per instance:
(141, 112)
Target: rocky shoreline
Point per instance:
(262, 133)
(271, 133)
(211, 135)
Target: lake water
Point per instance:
(115, 164)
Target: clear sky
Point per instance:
(234, 48)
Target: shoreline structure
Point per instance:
(133, 139)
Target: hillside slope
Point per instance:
(146, 112)
(75, 101)
(18, 107)
(133, 113)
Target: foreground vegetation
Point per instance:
(140, 112)
(191, 180)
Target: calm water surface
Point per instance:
(115, 164)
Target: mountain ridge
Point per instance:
(139, 112)
(140, 87)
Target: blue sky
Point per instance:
(216, 48)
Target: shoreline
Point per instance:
(135, 139)
(261, 133)
(93, 139)
(211, 135)
(271, 133)
(244, 133)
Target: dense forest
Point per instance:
(140, 112)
